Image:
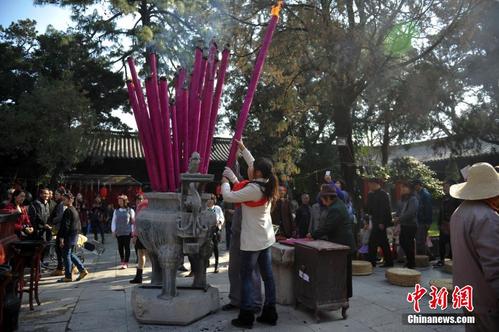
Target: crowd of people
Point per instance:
(256, 212)
(59, 219)
(262, 214)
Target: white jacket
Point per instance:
(257, 232)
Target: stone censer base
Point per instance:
(189, 306)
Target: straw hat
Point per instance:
(483, 183)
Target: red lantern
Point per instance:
(103, 192)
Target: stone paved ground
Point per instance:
(101, 302)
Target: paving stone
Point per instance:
(116, 301)
(44, 327)
(107, 319)
(101, 302)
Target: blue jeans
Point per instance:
(249, 259)
(69, 259)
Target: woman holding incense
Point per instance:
(257, 235)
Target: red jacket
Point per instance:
(22, 220)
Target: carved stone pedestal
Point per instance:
(174, 225)
(189, 306)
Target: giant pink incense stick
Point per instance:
(181, 117)
(185, 114)
(216, 105)
(165, 113)
(176, 154)
(136, 112)
(196, 115)
(152, 101)
(255, 77)
(155, 182)
(194, 101)
(206, 103)
(155, 112)
(204, 63)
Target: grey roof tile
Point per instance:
(126, 145)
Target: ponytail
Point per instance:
(271, 187)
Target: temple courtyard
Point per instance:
(101, 302)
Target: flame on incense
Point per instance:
(276, 9)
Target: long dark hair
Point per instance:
(16, 193)
(271, 187)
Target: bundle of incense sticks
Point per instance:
(171, 130)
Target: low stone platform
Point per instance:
(188, 306)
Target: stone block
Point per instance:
(283, 258)
(283, 254)
(187, 307)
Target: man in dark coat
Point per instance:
(54, 221)
(68, 232)
(282, 215)
(336, 226)
(425, 217)
(303, 216)
(39, 213)
(379, 210)
(448, 205)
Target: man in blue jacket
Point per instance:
(425, 216)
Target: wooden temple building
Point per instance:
(115, 164)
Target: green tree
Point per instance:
(42, 135)
(130, 27)
(471, 54)
(399, 104)
(409, 168)
(16, 72)
(329, 52)
(27, 55)
(53, 91)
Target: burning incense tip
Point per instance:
(276, 9)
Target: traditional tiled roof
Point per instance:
(126, 145)
(115, 180)
(435, 150)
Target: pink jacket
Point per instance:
(475, 248)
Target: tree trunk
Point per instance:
(386, 139)
(343, 127)
(145, 15)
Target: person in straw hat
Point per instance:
(475, 243)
